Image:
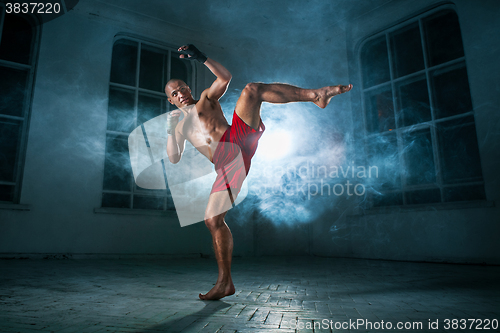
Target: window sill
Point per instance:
(425, 207)
(128, 211)
(13, 206)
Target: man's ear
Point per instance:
(170, 100)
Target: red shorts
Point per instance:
(232, 168)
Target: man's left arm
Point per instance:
(219, 86)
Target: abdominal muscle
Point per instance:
(205, 140)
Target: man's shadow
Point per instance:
(179, 324)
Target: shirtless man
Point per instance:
(213, 127)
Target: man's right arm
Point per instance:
(175, 147)
(175, 141)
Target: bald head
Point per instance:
(178, 93)
(171, 83)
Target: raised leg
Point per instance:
(223, 245)
(252, 96)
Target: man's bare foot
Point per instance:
(325, 94)
(218, 291)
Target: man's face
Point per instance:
(179, 94)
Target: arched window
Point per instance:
(139, 72)
(419, 116)
(18, 50)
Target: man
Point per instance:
(205, 126)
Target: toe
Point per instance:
(346, 88)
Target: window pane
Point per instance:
(407, 51)
(379, 111)
(149, 192)
(124, 62)
(464, 193)
(375, 62)
(459, 151)
(130, 108)
(383, 154)
(151, 72)
(179, 68)
(419, 158)
(121, 114)
(148, 108)
(117, 169)
(170, 203)
(16, 39)
(7, 192)
(451, 93)
(12, 91)
(145, 202)
(387, 199)
(10, 137)
(116, 200)
(413, 102)
(443, 37)
(423, 196)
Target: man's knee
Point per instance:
(252, 90)
(213, 223)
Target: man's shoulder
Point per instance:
(204, 94)
(204, 100)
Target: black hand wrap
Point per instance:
(194, 54)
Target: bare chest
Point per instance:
(203, 127)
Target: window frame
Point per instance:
(137, 91)
(432, 125)
(31, 68)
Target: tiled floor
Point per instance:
(277, 294)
